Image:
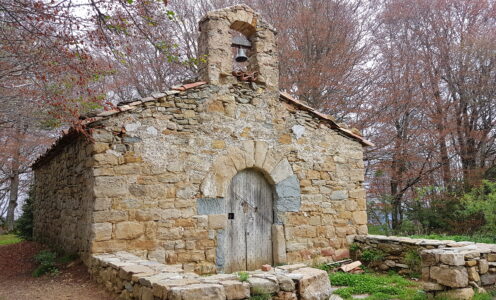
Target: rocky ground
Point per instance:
(16, 282)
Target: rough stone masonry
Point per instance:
(153, 178)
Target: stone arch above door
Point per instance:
(253, 154)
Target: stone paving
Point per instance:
(131, 277)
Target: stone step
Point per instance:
(134, 278)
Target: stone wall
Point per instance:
(63, 197)
(133, 278)
(447, 268)
(162, 169)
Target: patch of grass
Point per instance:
(261, 297)
(260, 294)
(485, 296)
(46, 261)
(243, 276)
(377, 286)
(8, 239)
(458, 238)
(378, 229)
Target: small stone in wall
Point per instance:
(151, 130)
(298, 131)
(132, 126)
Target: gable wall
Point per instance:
(159, 183)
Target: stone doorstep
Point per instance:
(142, 279)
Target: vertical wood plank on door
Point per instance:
(235, 250)
(248, 235)
(259, 229)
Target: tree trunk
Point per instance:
(14, 188)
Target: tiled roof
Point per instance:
(68, 134)
(331, 121)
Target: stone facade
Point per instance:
(153, 179)
(447, 268)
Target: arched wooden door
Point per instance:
(250, 217)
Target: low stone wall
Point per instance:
(133, 278)
(449, 268)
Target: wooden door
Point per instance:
(250, 217)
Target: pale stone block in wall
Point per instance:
(454, 259)
(357, 175)
(217, 221)
(278, 244)
(129, 230)
(110, 187)
(110, 216)
(360, 217)
(450, 276)
(261, 149)
(473, 274)
(363, 230)
(281, 171)
(102, 231)
(458, 294)
(238, 158)
(249, 151)
(197, 291)
(108, 246)
(339, 195)
(313, 285)
(102, 204)
(262, 285)
(236, 290)
(483, 266)
(271, 159)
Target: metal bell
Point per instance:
(241, 55)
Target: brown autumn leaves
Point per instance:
(417, 77)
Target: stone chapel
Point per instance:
(220, 175)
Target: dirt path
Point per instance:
(16, 282)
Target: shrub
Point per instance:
(354, 247)
(46, 261)
(413, 260)
(482, 201)
(24, 225)
(372, 255)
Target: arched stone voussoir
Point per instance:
(281, 171)
(218, 178)
(275, 167)
(249, 153)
